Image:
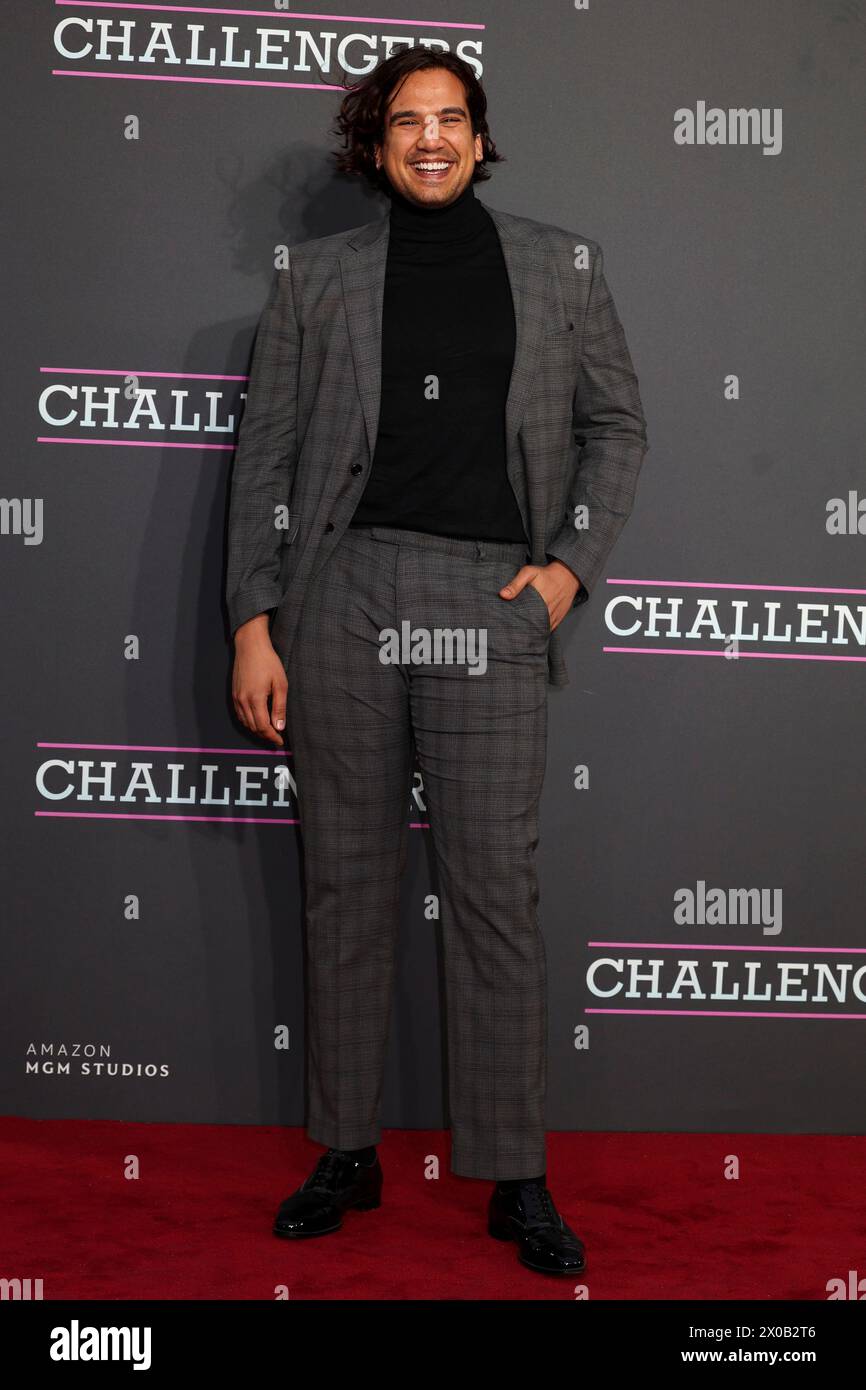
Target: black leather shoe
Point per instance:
(527, 1214)
(336, 1184)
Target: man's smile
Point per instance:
(432, 170)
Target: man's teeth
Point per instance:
(434, 168)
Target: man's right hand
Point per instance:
(259, 676)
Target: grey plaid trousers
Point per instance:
(355, 725)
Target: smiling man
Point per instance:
(443, 433)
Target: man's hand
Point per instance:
(259, 676)
(555, 582)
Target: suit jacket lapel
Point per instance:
(527, 279)
(362, 266)
(529, 292)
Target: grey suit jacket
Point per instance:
(576, 433)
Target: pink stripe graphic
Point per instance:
(167, 748)
(201, 81)
(132, 815)
(720, 1013)
(688, 946)
(127, 443)
(712, 584)
(218, 820)
(741, 656)
(265, 14)
(177, 376)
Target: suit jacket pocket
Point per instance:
(540, 602)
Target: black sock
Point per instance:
(363, 1156)
(508, 1184)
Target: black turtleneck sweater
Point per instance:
(440, 459)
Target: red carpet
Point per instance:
(658, 1217)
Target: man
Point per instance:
(408, 529)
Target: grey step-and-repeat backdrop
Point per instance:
(702, 851)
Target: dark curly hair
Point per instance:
(361, 118)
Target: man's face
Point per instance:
(429, 152)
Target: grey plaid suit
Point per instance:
(576, 436)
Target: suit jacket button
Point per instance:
(357, 468)
(330, 526)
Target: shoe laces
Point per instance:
(328, 1173)
(538, 1206)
